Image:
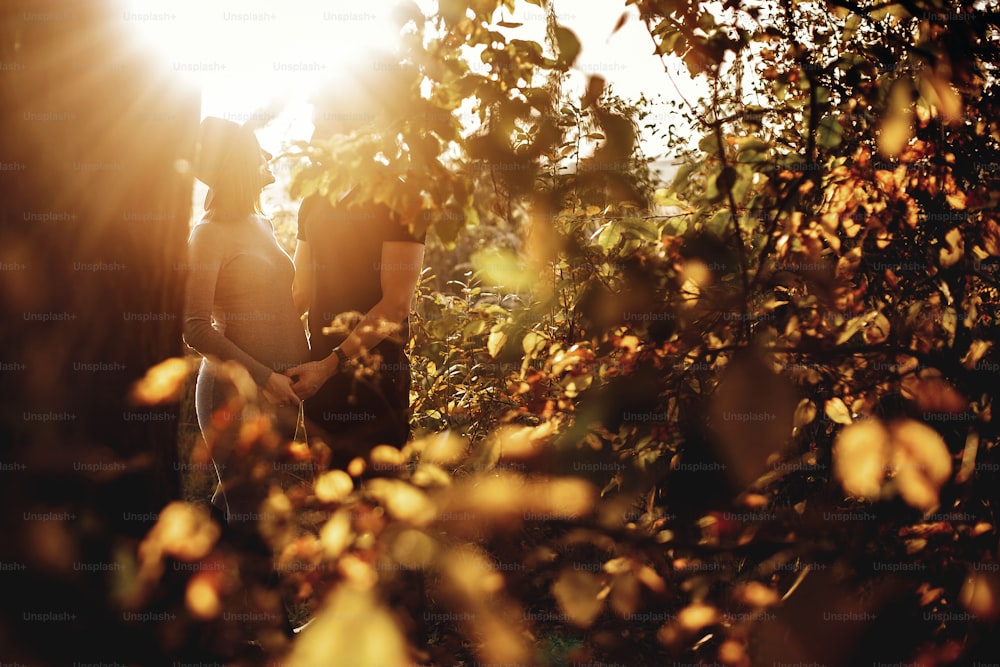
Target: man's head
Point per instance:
(371, 90)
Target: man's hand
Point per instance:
(311, 376)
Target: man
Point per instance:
(358, 263)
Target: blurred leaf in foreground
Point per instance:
(351, 628)
(163, 383)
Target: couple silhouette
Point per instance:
(344, 375)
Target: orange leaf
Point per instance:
(897, 128)
(333, 486)
(980, 594)
(921, 463)
(163, 383)
(202, 596)
(860, 456)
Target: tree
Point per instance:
(756, 429)
(807, 338)
(93, 239)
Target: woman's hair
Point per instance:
(237, 185)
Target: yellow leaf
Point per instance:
(510, 498)
(351, 628)
(496, 342)
(560, 498)
(414, 549)
(893, 135)
(950, 255)
(333, 486)
(756, 594)
(626, 596)
(386, 457)
(402, 500)
(183, 531)
(202, 598)
(651, 579)
(336, 534)
(860, 456)
(430, 474)
(877, 329)
(444, 448)
(502, 268)
(837, 411)
(619, 565)
(472, 572)
(532, 343)
(522, 442)
(956, 200)
(897, 128)
(938, 92)
(576, 594)
(734, 653)
(921, 463)
(357, 571)
(977, 350)
(696, 616)
(979, 595)
(805, 413)
(163, 383)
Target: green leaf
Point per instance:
(682, 175)
(719, 224)
(675, 227)
(473, 328)
(663, 197)
(496, 341)
(532, 343)
(501, 268)
(668, 43)
(753, 144)
(829, 134)
(609, 236)
(642, 229)
(744, 177)
(709, 143)
(357, 619)
(713, 192)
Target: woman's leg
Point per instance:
(206, 400)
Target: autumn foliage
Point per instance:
(741, 418)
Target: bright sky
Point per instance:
(250, 54)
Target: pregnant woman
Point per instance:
(239, 302)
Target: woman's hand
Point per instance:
(278, 390)
(311, 375)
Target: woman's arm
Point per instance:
(402, 262)
(204, 262)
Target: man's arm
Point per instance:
(402, 262)
(302, 285)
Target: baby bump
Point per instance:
(279, 345)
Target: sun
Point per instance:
(258, 62)
(250, 58)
